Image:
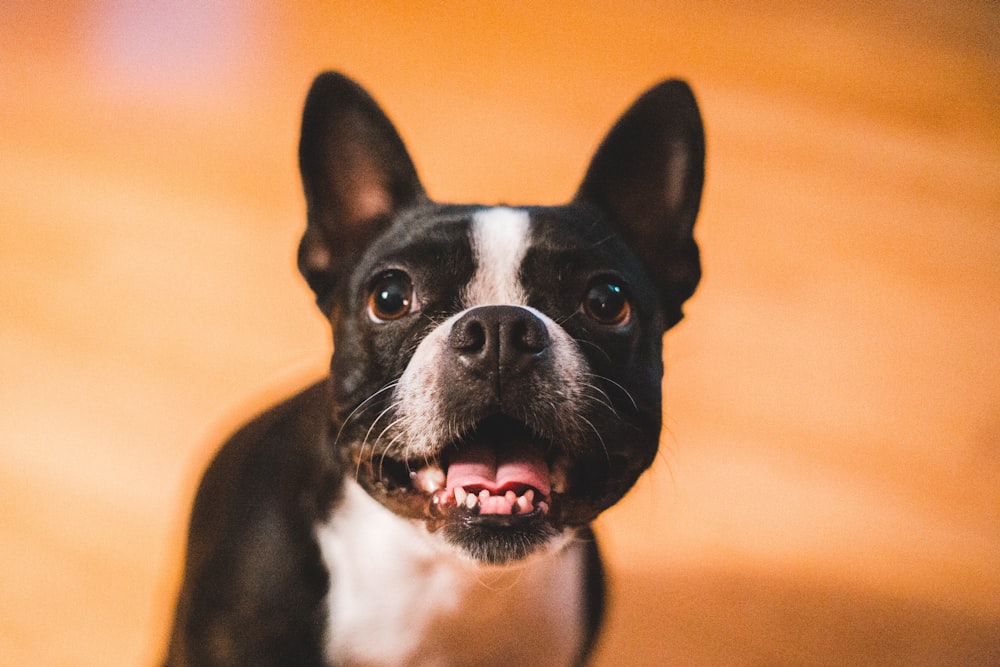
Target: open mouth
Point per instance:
(498, 475)
(497, 472)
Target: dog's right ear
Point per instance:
(356, 174)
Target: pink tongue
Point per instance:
(511, 467)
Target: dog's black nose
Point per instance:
(499, 339)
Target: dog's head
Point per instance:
(497, 370)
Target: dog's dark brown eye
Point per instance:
(391, 297)
(607, 303)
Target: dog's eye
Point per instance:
(391, 297)
(607, 303)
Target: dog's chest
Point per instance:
(398, 596)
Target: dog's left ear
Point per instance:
(356, 173)
(647, 177)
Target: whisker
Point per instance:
(600, 438)
(595, 346)
(385, 450)
(362, 405)
(381, 434)
(599, 396)
(625, 391)
(367, 438)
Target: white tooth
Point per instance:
(523, 506)
(484, 496)
(529, 495)
(460, 495)
(511, 497)
(471, 501)
(428, 479)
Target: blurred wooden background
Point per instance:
(829, 488)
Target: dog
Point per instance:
(495, 385)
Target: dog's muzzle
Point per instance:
(493, 436)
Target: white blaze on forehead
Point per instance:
(500, 240)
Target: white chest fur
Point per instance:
(401, 596)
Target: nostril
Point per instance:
(468, 335)
(528, 334)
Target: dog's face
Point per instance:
(497, 370)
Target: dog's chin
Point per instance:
(495, 541)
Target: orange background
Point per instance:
(829, 485)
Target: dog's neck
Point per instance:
(400, 595)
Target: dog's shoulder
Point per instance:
(253, 576)
(254, 464)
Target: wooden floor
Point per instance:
(829, 486)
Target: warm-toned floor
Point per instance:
(829, 488)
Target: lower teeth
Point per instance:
(511, 502)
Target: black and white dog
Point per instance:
(495, 386)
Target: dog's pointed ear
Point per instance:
(647, 177)
(356, 174)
